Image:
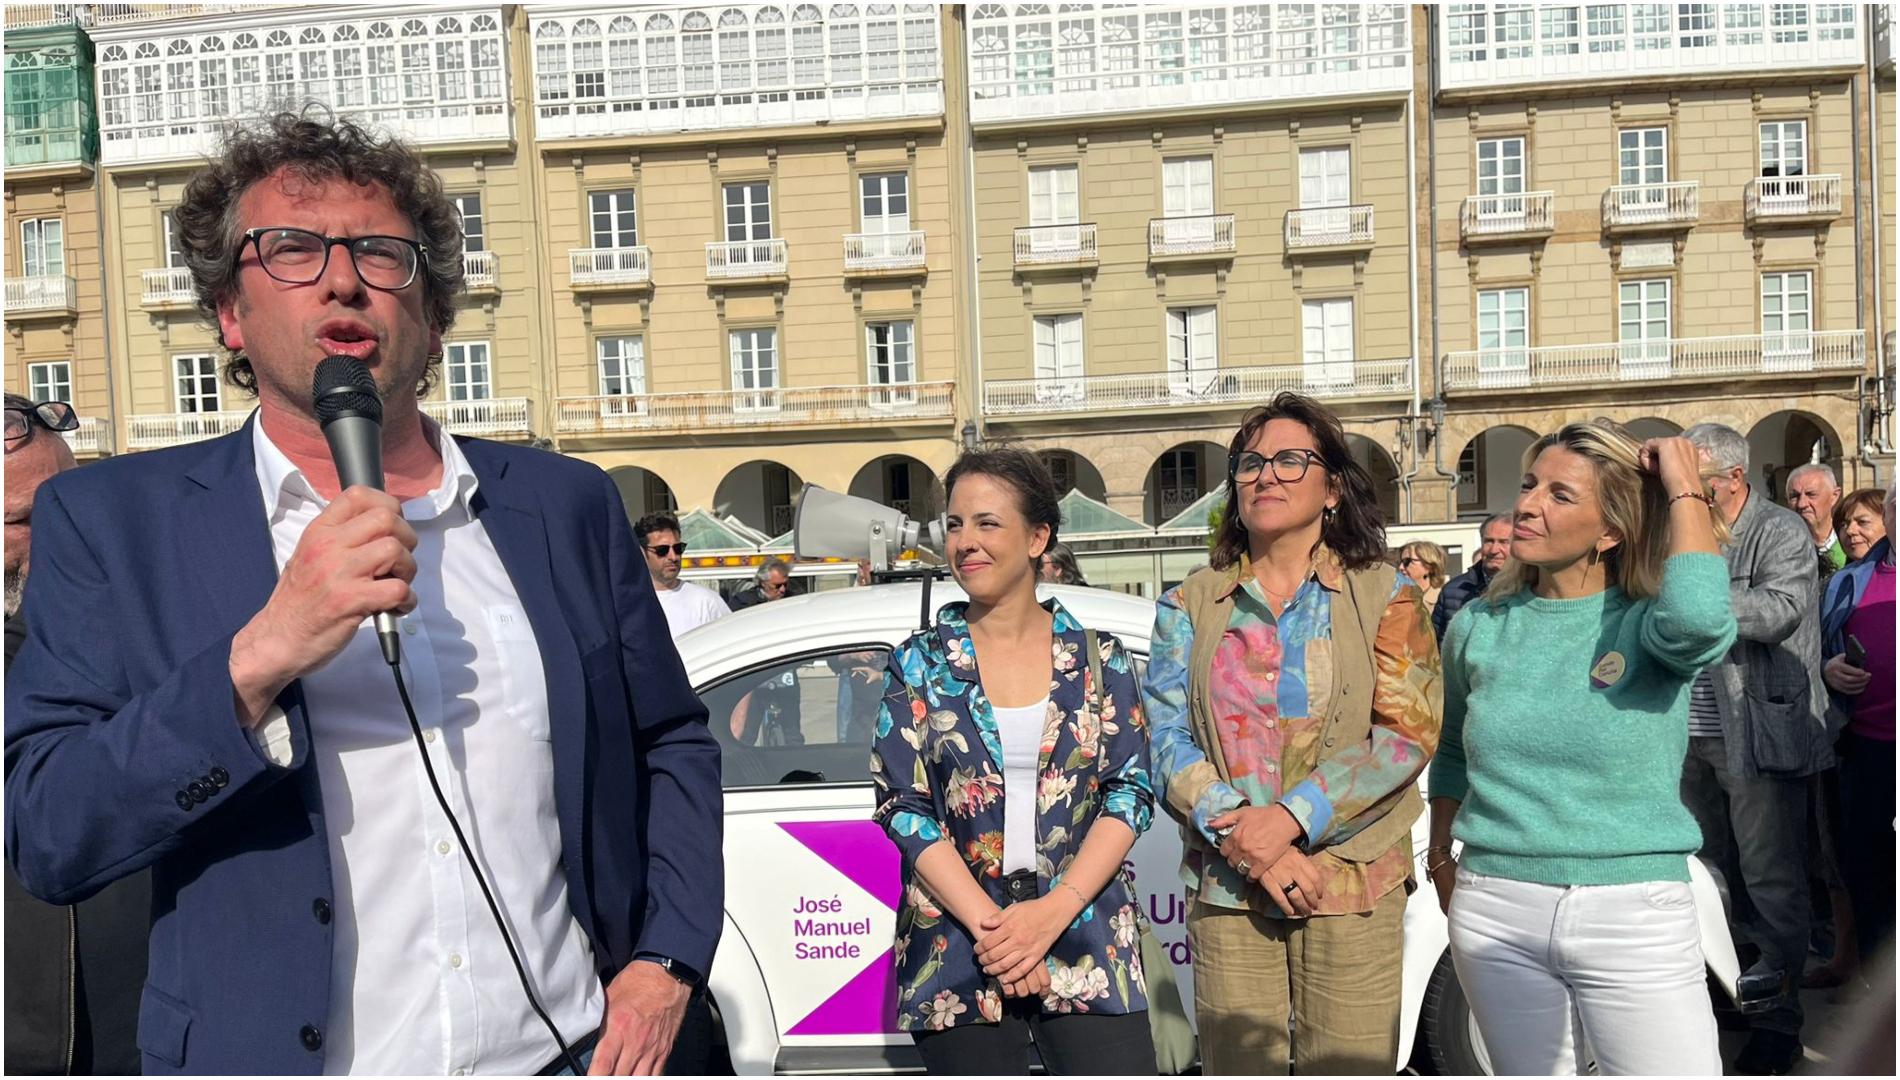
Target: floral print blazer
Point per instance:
(938, 766)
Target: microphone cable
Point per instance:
(415, 728)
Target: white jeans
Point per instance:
(1625, 960)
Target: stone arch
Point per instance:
(1180, 475)
(1781, 441)
(1072, 471)
(1384, 471)
(759, 493)
(902, 482)
(1489, 467)
(643, 491)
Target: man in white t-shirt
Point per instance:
(686, 605)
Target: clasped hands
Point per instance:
(1261, 847)
(1013, 942)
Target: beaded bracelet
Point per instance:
(1696, 495)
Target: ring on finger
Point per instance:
(1245, 866)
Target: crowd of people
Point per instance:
(1648, 661)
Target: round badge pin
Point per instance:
(1607, 670)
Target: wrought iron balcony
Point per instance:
(505, 417)
(1199, 234)
(1666, 359)
(1217, 386)
(1329, 227)
(702, 410)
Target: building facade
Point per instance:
(56, 341)
(1180, 212)
(725, 251)
(752, 248)
(1659, 213)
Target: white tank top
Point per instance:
(1020, 731)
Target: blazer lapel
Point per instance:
(959, 663)
(227, 515)
(510, 513)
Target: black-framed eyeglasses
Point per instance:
(299, 256)
(51, 415)
(659, 550)
(1289, 466)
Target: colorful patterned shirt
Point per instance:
(1269, 691)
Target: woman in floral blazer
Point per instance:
(1014, 927)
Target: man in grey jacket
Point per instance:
(1758, 731)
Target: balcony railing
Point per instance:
(745, 259)
(153, 430)
(1654, 360)
(479, 269)
(483, 416)
(1200, 234)
(121, 14)
(609, 266)
(715, 409)
(1507, 215)
(26, 295)
(91, 438)
(1641, 205)
(28, 147)
(27, 16)
(1220, 386)
(167, 285)
(1055, 245)
(883, 251)
(1329, 226)
(1769, 197)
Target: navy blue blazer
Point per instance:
(123, 748)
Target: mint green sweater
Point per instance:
(1566, 725)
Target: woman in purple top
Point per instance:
(1857, 629)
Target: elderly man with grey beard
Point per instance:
(1757, 733)
(73, 972)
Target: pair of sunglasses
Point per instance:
(51, 415)
(659, 550)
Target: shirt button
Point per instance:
(409, 628)
(428, 736)
(1269, 723)
(1271, 675)
(1271, 767)
(441, 847)
(455, 960)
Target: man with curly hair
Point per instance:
(211, 701)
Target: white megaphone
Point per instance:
(828, 524)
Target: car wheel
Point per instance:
(1447, 1031)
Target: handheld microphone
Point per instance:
(351, 412)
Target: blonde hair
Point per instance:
(1432, 556)
(1632, 501)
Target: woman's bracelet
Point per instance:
(1077, 892)
(1696, 495)
(1433, 867)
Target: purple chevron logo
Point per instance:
(867, 1003)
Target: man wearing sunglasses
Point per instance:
(686, 605)
(201, 690)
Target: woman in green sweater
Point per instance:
(1566, 725)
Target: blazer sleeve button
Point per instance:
(311, 1038)
(184, 800)
(219, 776)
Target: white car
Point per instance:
(803, 981)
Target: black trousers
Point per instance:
(1071, 1044)
(1865, 840)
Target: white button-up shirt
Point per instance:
(421, 982)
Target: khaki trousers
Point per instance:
(1313, 996)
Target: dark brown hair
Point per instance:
(313, 149)
(1023, 472)
(1355, 530)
